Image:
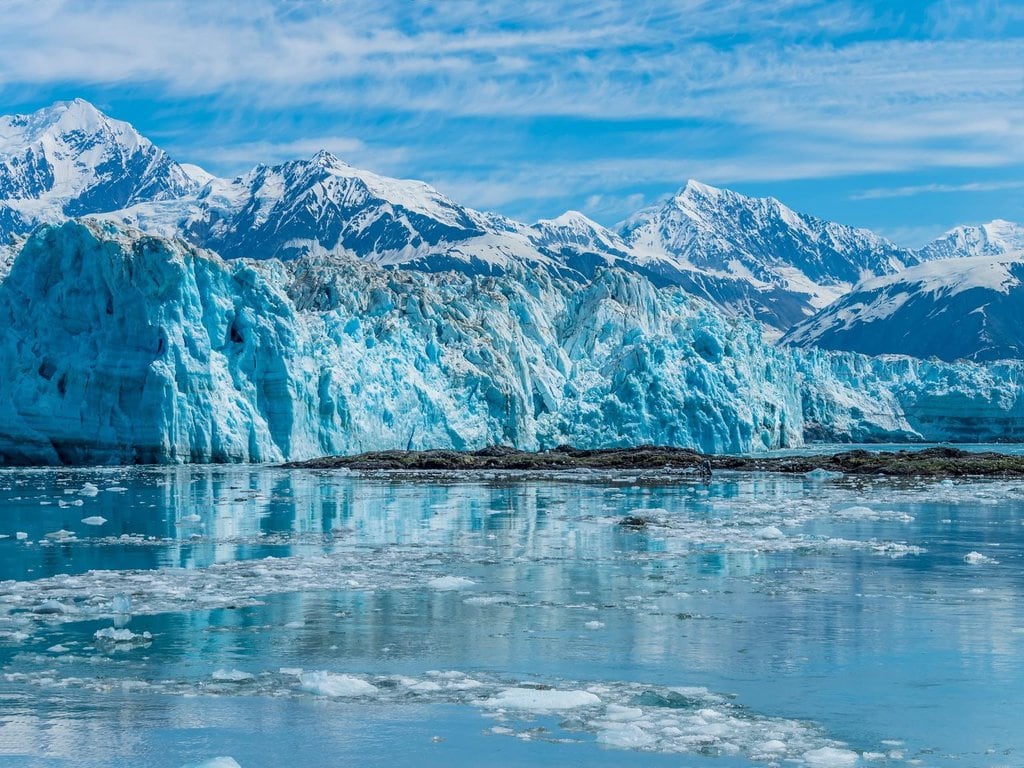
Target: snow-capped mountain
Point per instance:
(285, 210)
(753, 257)
(755, 254)
(326, 205)
(992, 239)
(70, 159)
(970, 308)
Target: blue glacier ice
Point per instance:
(122, 347)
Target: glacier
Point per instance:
(125, 347)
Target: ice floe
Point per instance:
(450, 583)
(977, 558)
(336, 686)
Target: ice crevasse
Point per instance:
(122, 347)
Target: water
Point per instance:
(817, 449)
(326, 618)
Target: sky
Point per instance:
(904, 117)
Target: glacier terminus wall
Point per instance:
(122, 347)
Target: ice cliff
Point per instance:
(124, 347)
(118, 346)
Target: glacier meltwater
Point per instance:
(121, 347)
(258, 616)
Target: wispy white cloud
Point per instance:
(244, 155)
(595, 182)
(592, 60)
(806, 89)
(881, 193)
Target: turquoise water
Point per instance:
(313, 618)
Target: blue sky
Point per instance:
(906, 117)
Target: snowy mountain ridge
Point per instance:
(970, 307)
(750, 256)
(992, 239)
(763, 242)
(70, 159)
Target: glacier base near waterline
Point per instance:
(121, 347)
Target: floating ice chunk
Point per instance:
(486, 600)
(115, 636)
(620, 714)
(896, 550)
(822, 474)
(20, 535)
(770, 532)
(231, 676)
(450, 583)
(541, 700)
(118, 489)
(625, 736)
(976, 558)
(89, 490)
(336, 686)
(856, 511)
(215, 762)
(830, 757)
(424, 686)
(594, 625)
(53, 608)
(58, 648)
(94, 520)
(61, 535)
(121, 606)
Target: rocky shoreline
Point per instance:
(940, 462)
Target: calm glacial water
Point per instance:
(165, 617)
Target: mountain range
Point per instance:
(810, 281)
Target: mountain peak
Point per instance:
(992, 239)
(694, 187)
(571, 219)
(19, 132)
(327, 159)
(68, 159)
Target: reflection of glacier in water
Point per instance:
(757, 621)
